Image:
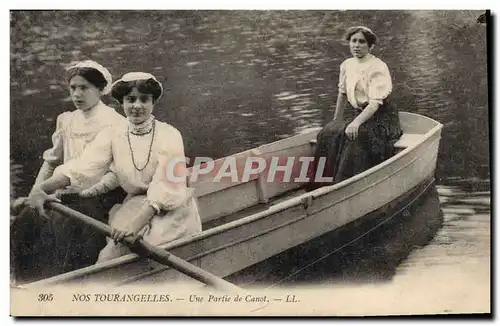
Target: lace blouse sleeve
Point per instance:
(342, 77)
(168, 189)
(380, 83)
(93, 164)
(55, 155)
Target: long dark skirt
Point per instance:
(42, 248)
(346, 158)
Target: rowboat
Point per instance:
(249, 221)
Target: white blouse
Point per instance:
(367, 81)
(76, 129)
(113, 146)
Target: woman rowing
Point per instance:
(43, 248)
(148, 158)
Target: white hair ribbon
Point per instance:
(133, 76)
(94, 65)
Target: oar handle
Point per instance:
(142, 247)
(164, 257)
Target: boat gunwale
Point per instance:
(253, 236)
(425, 137)
(289, 203)
(298, 200)
(276, 227)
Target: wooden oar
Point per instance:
(143, 248)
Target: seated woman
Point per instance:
(41, 248)
(366, 136)
(148, 158)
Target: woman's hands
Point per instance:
(134, 227)
(90, 192)
(107, 183)
(118, 234)
(38, 198)
(352, 130)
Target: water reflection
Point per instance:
(238, 79)
(447, 226)
(449, 83)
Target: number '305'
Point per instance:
(45, 297)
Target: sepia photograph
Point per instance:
(250, 162)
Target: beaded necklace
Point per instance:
(150, 147)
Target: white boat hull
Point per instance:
(233, 246)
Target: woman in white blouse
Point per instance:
(51, 247)
(158, 207)
(366, 125)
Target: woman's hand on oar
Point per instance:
(38, 198)
(118, 235)
(157, 254)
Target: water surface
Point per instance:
(238, 79)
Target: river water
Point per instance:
(239, 79)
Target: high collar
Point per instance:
(93, 111)
(142, 128)
(364, 59)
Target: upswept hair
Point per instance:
(371, 38)
(146, 86)
(93, 76)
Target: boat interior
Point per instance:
(227, 201)
(221, 203)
